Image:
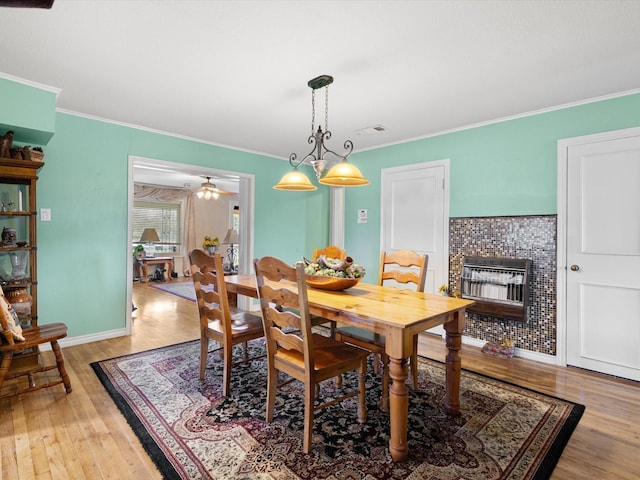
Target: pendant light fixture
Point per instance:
(342, 174)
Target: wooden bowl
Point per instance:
(331, 283)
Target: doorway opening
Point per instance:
(176, 175)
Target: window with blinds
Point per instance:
(164, 217)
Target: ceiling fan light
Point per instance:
(209, 190)
(344, 174)
(295, 181)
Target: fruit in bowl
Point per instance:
(333, 273)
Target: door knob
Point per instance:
(575, 268)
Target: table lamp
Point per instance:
(149, 235)
(231, 238)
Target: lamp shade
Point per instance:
(344, 174)
(149, 235)
(231, 237)
(295, 180)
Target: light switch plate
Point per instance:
(362, 216)
(45, 214)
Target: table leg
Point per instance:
(168, 270)
(398, 408)
(145, 273)
(138, 270)
(453, 363)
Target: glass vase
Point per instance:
(18, 264)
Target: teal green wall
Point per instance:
(28, 111)
(505, 168)
(82, 252)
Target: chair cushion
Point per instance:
(327, 353)
(242, 323)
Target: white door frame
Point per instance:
(563, 164)
(246, 198)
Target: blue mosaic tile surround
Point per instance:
(532, 237)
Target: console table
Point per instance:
(142, 266)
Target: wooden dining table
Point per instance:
(398, 315)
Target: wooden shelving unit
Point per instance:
(18, 180)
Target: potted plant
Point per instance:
(138, 251)
(210, 244)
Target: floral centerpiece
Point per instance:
(210, 244)
(333, 273)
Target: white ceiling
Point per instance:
(235, 73)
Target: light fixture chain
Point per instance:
(313, 111)
(326, 108)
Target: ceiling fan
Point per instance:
(209, 190)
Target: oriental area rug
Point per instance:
(181, 289)
(192, 432)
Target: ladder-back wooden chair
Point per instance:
(16, 340)
(205, 262)
(202, 259)
(218, 322)
(375, 343)
(331, 251)
(293, 349)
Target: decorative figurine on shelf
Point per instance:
(26, 152)
(20, 300)
(6, 141)
(9, 237)
(37, 154)
(7, 207)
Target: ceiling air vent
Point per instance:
(371, 130)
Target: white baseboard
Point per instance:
(80, 340)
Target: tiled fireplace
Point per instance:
(531, 237)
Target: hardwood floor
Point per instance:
(82, 435)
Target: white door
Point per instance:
(415, 216)
(603, 256)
